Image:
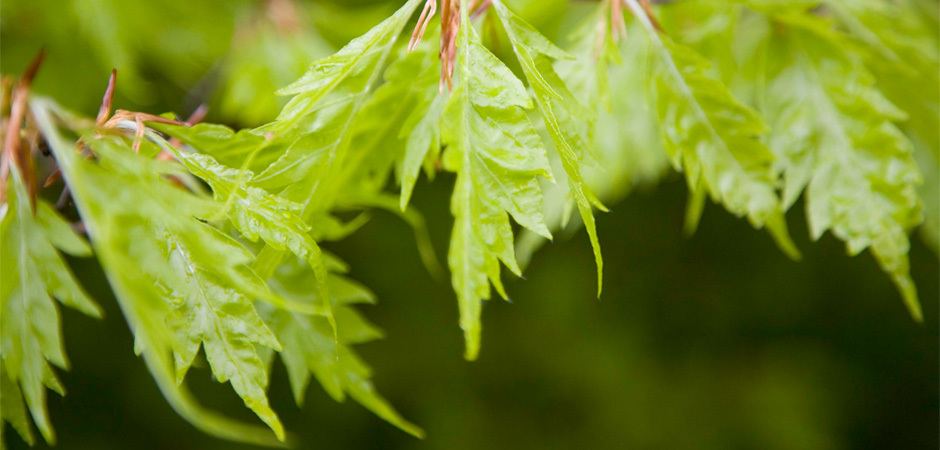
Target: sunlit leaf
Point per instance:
(13, 409)
(713, 138)
(498, 157)
(257, 214)
(836, 138)
(560, 111)
(319, 121)
(193, 286)
(34, 276)
(902, 50)
(310, 349)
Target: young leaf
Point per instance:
(835, 136)
(560, 111)
(319, 118)
(257, 214)
(245, 148)
(396, 129)
(902, 50)
(399, 125)
(33, 274)
(13, 409)
(713, 138)
(310, 349)
(192, 287)
(497, 156)
(622, 129)
(327, 98)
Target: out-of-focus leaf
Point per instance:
(125, 32)
(930, 194)
(902, 50)
(395, 131)
(399, 124)
(836, 139)
(713, 138)
(272, 46)
(321, 114)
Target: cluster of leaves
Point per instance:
(756, 103)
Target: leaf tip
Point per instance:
(472, 342)
(908, 291)
(777, 227)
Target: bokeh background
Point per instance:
(712, 341)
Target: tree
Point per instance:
(210, 237)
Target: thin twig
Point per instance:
(11, 152)
(194, 118)
(430, 7)
(450, 24)
(481, 9)
(105, 110)
(648, 9)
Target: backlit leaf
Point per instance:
(193, 286)
(713, 138)
(34, 276)
(498, 157)
(560, 111)
(310, 349)
(836, 138)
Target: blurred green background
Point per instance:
(713, 341)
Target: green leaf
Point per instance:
(423, 149)
(929, 194)
(397, 129)
(309, 347)
(713, 138)
(192, 286)
(34, 274)
(399, 125)
(351, 66)
(900, 47)
(325, 101)
(836, 139)
(560, 111)
(594, 53)
(623, 133)
(13, 409)
(264, 56)
(498, 157)
(257, 214)
(245, 148)
(223, 320)
(320, 118)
